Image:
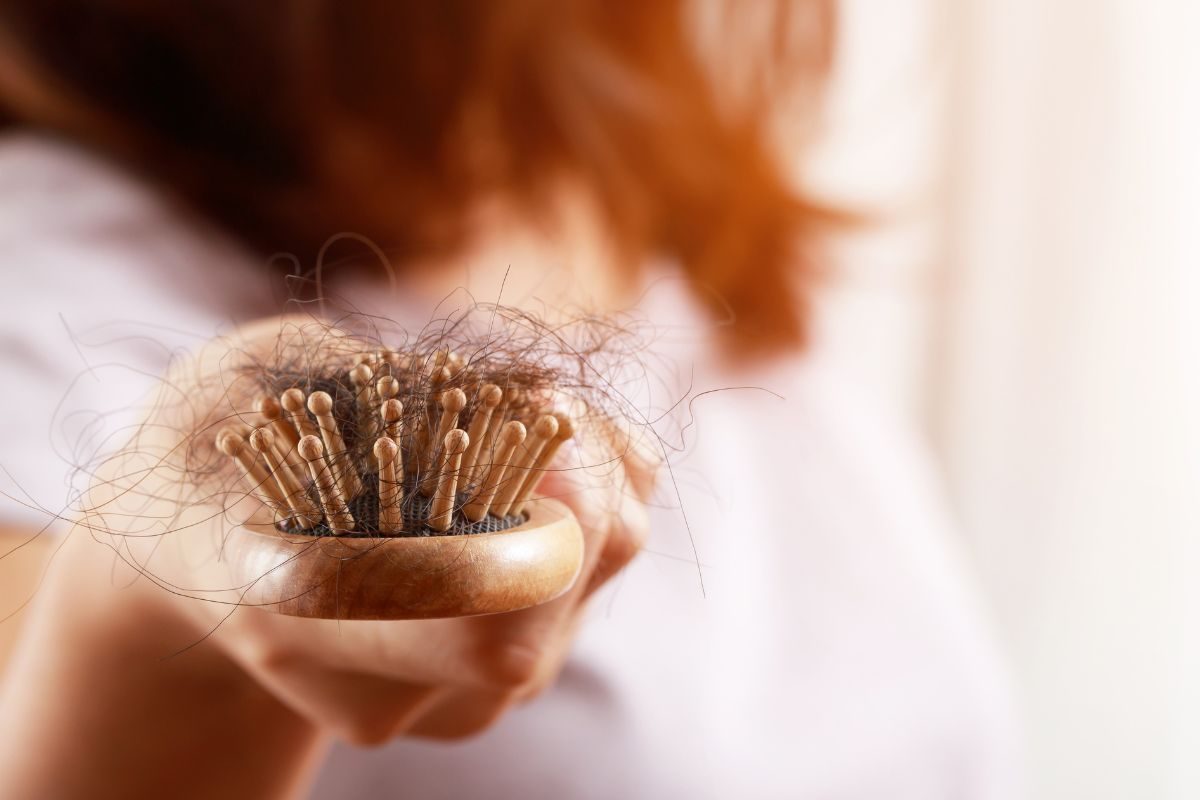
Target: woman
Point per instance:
(551, 149)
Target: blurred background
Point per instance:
(1025, 296)
(1029, 303)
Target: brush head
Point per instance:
(412, 413)
(260, 465)
(400, 494)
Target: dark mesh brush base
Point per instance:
(415, 507)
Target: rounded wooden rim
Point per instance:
(410, 577)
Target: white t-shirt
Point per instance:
(834, 651)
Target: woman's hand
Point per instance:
(370, 681)
(139, 647)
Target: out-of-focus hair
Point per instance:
(288, 122)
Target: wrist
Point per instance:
(120, 682)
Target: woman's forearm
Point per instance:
(105, 698)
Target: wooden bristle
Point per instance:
(333, 502)
(509, 438)
(387, 387)
(475, 431)
(543, 431)
(259, 479)
(292, 401)
(344, 472)
(487, 450)
(453, 401)
(441, 512)
(303, 512)
(486, 401)
(425, 442)
(391, 492)
(566, 429)
(284, 433)
(360, 378)
(392, 414)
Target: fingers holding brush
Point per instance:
(369, 478)
(448, 678)
(531, 645)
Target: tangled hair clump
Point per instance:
(242, 422)
(209, 468)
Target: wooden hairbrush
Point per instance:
(396, 486)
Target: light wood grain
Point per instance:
(410, 577)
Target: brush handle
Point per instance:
(410, 577)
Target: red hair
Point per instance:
(290, 122)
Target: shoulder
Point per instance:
(104, 283)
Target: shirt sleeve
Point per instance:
(103, 283)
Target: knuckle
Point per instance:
(628, 546)
(536, 687)
(626, 540)
(355, 708)
(267, 657)
(370, 722)
(463, 727)
(367, 730)
(510, 664)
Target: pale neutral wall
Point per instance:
(1034, 307)
(1065, 387)
(880, 155)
